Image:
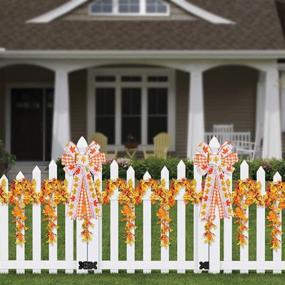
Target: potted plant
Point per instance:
(6, 159)
(131, 142)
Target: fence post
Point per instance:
(201, 248)
(53, 247)
(260, 222)
(37, 222)
(244, 248)
(114, 218)
(277, 254)
(164, 251)
(81, 246)
(4, 226)
(131, 247)
(20, 248)
(181, 218)
(147, 225)
(69, 223)
(214, 247)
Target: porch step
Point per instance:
(27, 169)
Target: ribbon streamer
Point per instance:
(84, 202)
(215, 163)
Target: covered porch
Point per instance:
(141, 98)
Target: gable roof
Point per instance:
(257, 27)
(72, 4)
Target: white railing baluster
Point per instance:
(147, 224)
(244, 172)
(37, 222)
(260, 222)
(4, 226)
(131, 247)
(277, 253)
(114, 218)
(164, 251)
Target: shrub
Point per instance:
(155, 165)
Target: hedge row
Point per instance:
(154, 166)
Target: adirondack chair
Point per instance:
(223, 132)
(161, 146)
(102, 140)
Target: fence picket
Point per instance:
(244, 249)
(277, 254)
(181, 217)
(164, 251)
(94, 249)
(260, 222)
(37, 221)
(20, 248)
(114, 218)
(69, 224)
(228, 234)
(53, 247)
(200, 247)
(4, 226)
(131, 247)
(147, 224)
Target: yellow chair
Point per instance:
(161, 146)
(102, 140)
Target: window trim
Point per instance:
(142, 12)
(118, 84)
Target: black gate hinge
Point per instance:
(204, 265)
(87, 265)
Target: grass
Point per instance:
(139, 277)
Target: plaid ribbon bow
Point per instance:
(84, 201)
(217, 189)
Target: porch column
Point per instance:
(259, 119)
(272, 119)
(61, 114)
(282, 93)
(196, 126)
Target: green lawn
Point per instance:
(139, 278)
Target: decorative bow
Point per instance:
(84, 200)
(217, 189)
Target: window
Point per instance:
(132, 105)
(129, 7)
(105, 112)
(156, 7)
(131, 115)
(157, 112)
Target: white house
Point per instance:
(72, 67)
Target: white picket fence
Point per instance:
(93, 251)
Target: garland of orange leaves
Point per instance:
(22, 193)
(53, 193)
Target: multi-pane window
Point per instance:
(133, 107)
(105, 112)
(131, 115)
(128, 7)
(157, 112)
(156, 7)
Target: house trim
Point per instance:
(171, 118)
(73, 4)
(142, 54)
(8, 114)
